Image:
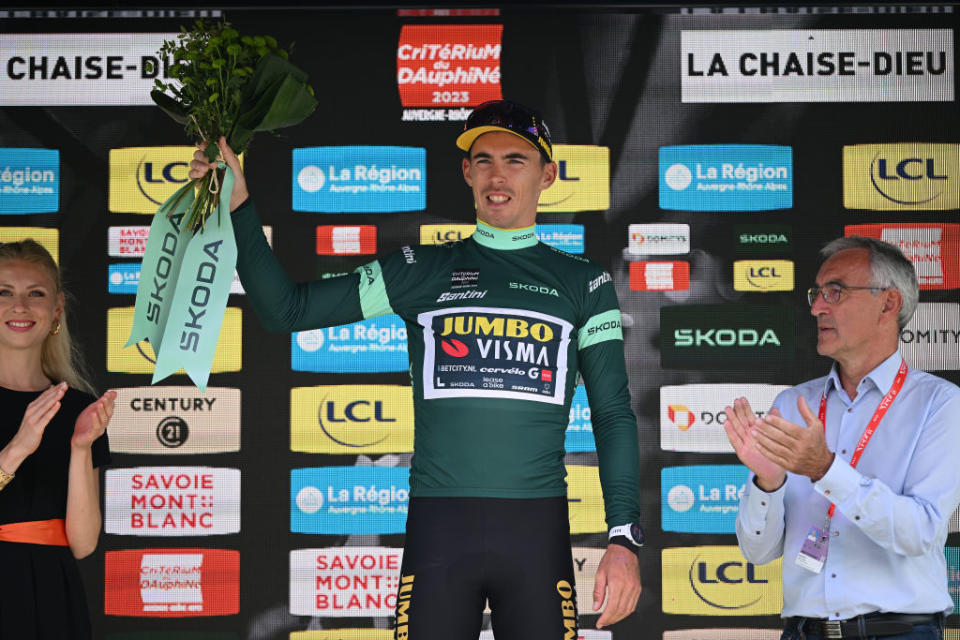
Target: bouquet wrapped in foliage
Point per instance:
(225, 84)
(221, 84)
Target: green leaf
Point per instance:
(218, 62)
(211, 81)
(271, 41)
(286, 105)
(213, 97)
(171, 107)
(234, 49)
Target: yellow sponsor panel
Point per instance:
(585, 499)
(142, 178)
(583, 180)
(747, 633)
(901, 176)
(951, 634)
(351, 419)
(48, 238)
(763, 275)
(140, 357)
(440, 233)
(718, 581)
(585, 563)
(344, 634)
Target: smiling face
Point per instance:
(862, 322)
(507, 176)
(29, 305)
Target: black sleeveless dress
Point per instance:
(41, 591)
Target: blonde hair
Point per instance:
(60, 359)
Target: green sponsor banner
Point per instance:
(184, 286)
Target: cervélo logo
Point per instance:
(651, 275)
(172, 501)
(901, 176)
(658, 239)
(83, 68)
(566, 237)
(29, 180)
(931, 340)
(344, 581)
(447, 68)
(359, 179)
(349, 500)
(933, 248)
(701, 498)
(726, 177)
(342, 240)
(176, 420)
(369, 346)
(583, 180)
(763, 238)
(718, 581)
(817, 65)
(692, 417)
(351, 419)
(171, 583)
(717, 336)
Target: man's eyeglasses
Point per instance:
(832, 292)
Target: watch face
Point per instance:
(636, 532)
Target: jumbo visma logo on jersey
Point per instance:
(490, 352)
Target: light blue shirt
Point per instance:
(886, 549)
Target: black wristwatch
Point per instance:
(628, 535)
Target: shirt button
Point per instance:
(843, 451)
(856, 517)
(827, 491)
(836, 533)
(758, 533)
(762, 503)
(833, 575)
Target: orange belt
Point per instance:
(37, 532)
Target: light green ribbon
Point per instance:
(184, 286)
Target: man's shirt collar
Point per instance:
(881, 377)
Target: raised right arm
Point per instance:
(282, 304)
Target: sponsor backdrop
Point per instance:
(704, 157)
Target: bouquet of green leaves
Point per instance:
(222, 83)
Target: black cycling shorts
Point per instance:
(461, 552)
